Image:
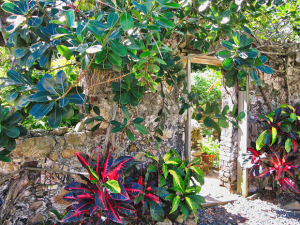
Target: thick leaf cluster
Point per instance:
(176, 176)
(22, 83)
(9, 131)
(104, 190)
(151, 196)
(277, 148)
(241, 60)
(282, 128)
(128, 91)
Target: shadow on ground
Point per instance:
(217, 215)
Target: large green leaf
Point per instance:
(173, 5)
(288, 145)
(4, 113)
(125, 112)
(208, 122)
(13, 119)
(141, 128)
(70, 15)
(236, 38)
(197, 199)
(228, 64)
(4, 158)
(12, 8)
(114, 58)
(175, 203)
(164, 22)
(260, 140)
(11, 131)
(274, 135)
(165, 170)
(3, 139)
(117, 48)
(112, 19)
(178, 182)
(125, 97)
(192, 206)
(255, 77)
(67, 111)
(156, 211)
(126, 21)
(113, 186)
(65, 51)
(185, 210)
(55, 117)
(198, 171)
(130, 135)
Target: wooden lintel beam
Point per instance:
(213, 62)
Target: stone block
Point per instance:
(53, 156)
(75, 138)
(7, 168)
(140, 156)
(34, 147)
(69, 152)
(60, 131)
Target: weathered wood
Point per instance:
(207, 61)
(188, 125)
(243, 138)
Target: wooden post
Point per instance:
(242, 174)
(189, 115)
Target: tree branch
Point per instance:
(264, 94)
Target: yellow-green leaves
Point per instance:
(93, 173)
(274, 135)
(260, 140)
(64, 51)
(175, 203)
(113, 186)
(178, 182)
(198, 171)
(192, 206)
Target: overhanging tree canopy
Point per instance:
(122, 39)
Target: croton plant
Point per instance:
(120, 191)
(277, 148)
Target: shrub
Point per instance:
(277, 148)
(120, 191)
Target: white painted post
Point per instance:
(242, 174)
(189, 115)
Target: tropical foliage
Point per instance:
(121, 192)
(127, 40)
(277, 148)
(183, 181)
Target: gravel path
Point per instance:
(250, 212)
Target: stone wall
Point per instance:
(27, 197)
(228, 145)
